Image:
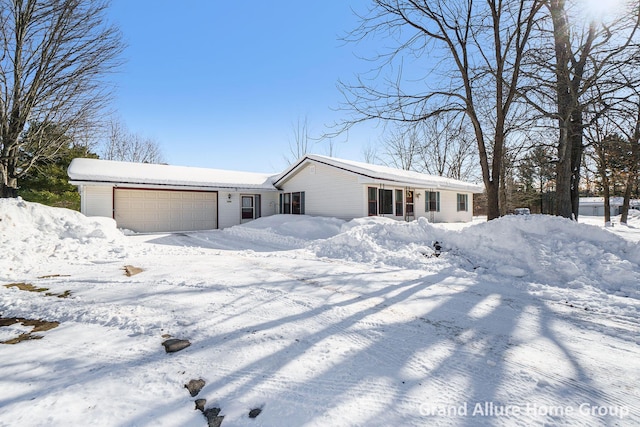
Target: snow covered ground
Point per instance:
(525, 320)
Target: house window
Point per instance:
(409, 203)
(296, 203)
(285, 203)
(399, 202)
(373, 201)
(247, 207)
(292, 203)
(250, 208)
(432, 201)
(463, 202)
(257, 206)
(385, 202)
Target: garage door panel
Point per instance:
(161, 210)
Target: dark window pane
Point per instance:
(295, 203)
(385, 204)
(433, 201)
(373, 202)
(462, 202)
(286, 203)
(410, 209)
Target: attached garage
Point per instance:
(155, 198)
(147, 210)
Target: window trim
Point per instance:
(247, 209)
(288, 206)
(462, 202)
(399, 202)
(427, 201)
(372, 202)
(409, 203)
(256, 209)
(385, 202)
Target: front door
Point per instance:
(409, 214)
(250, 207)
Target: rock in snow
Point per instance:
(194, 386)
(173, 345)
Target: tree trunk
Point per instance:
(9, 192)
(502, 193)
(9, 182)
(607, 203)
(563, 175)
(627, 199)
(577, 149)
(493, 196)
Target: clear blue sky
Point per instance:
(221, 83)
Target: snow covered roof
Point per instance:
(109, 171)
(375, 173)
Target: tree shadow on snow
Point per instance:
(379, 358)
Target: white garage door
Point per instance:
(164, 210)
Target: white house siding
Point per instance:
(229, 210)
(449, 207)
(393, 188)
(448, 204)
(331, 191)
(97, 200)
(328, 191)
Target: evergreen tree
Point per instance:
(47, 181)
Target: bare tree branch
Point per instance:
(55, 55)
(472, 54)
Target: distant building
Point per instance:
(594, 206)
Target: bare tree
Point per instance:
(623, 148)
(401, 147)
(438, 145)
(447, 148)
(301, 141)
(575, 66)
(54, 56)
(370, 154)
(606, 157)
(472, 53)
(127, 146)
(331, 147)
(633, 163)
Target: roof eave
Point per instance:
(175, 186)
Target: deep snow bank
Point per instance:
(31, 234)
(553, 250)
(537, 248)
(286, 231)
(382, 241)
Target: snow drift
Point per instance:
(31, 233)
(538, 249)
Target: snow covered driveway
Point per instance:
(313, 327)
